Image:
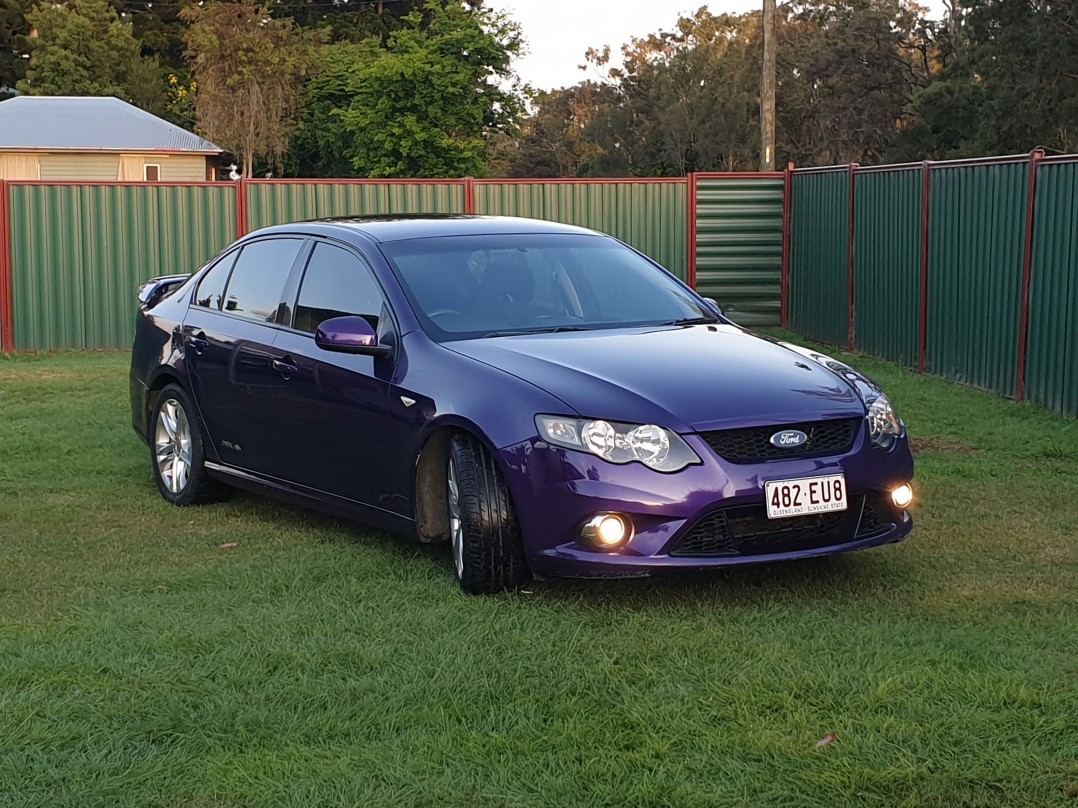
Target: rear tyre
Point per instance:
(488, 551)
(177, 452)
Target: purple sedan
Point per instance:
(544, 398)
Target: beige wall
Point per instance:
(15, 166)
(110, 167)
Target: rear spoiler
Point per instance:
(149, 292)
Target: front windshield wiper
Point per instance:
(554, 329)
(691, 321)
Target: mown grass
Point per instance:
(321, 663)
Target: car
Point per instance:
(544, 398)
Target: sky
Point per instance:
(558, 32)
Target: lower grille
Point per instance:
(745, 530)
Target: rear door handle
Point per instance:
(198, 342)
(284, 368)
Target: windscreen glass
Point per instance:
(465, 287)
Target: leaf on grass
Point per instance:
(228, 545)
(162, 590)
(827, 740)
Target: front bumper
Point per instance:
(708, 515)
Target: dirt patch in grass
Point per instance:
(933, 443)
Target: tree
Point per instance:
(81, 48)
(14, 42)
(555, 141)
(323, 145)
(1011, 86)
(847, 71)
(425, 105)
(249, 69)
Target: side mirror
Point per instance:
(350, 334)
(715, 305)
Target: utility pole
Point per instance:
(767, 91)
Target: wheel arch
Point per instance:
(431, 501)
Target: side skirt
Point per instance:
(312, 498)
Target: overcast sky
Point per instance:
(559, 31)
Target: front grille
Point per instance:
(745, 530)
(753, 444)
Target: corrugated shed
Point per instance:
(650, 216)
(819, 254)
(887, 261)
(270, 202)
(84, 123)
(79, 252)
(739, 246)
(1052, 366)
(976, 239)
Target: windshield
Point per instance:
(464, 287)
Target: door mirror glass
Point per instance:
(349, 335)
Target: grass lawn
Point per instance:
(317, 662)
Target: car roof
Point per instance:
(390, 228)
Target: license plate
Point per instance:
(807, 495)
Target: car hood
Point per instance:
(686, 378)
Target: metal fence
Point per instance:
(964, 269)
(72, 254)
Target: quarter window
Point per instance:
(211, 288)
(257, 283)
(336, 284)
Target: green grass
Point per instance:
(321, 663)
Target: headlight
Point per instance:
(884, 425)
(655, 447)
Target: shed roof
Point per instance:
(90, 124)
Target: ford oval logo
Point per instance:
(789, 438)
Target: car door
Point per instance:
(336, 436)
(228, 334)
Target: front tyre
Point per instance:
(488, 552)
(177, 453)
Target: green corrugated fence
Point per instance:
(887, 263)
(819, 254)
(981, 252)
(649, 215)
(1052, 366)
(276, 202)
(78, 252)
(976, 236)
(739, 222)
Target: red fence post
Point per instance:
(690, 270)
(7, 306)
(469, 195)
(784, 277)
(1035, 157)
(851, 341)
(241, 208)
(922, 340)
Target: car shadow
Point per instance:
(861, 576)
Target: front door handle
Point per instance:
(284, 368)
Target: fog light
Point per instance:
(607, 530)
(902, 496)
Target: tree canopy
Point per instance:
(427, 87)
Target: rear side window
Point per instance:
(257, 282)
(336, 283)
(211, 289)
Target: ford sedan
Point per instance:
(544, 398)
